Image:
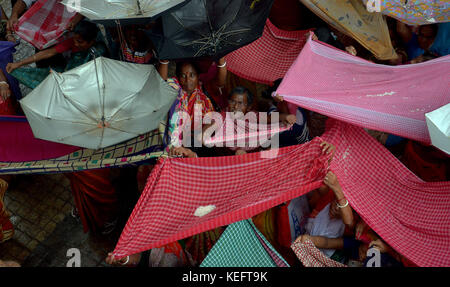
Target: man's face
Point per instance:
(81, 44)
(238, 103)
(426, 37)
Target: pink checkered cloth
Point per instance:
(268, 58)
(238, 186)
(411, 215)
(392, 99)
(310, 256)
(44, 23)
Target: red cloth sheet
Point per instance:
(44, 23)
(269, 57)
(392, 99)
(411, 215)
(238, 186)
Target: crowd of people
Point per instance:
(333, 226)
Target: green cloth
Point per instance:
(32, 77)
(239, 247)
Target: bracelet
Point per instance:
(223, 65)
(342, 206)
(125, 263)
(3, 82)
(164, 63)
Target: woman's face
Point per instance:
(188, 78)
(426, 37)
(81, 44)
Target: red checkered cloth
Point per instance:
(269, 57)
(411, 215)
(238, 186)
(44, 23)
(310, 256)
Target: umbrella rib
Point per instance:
(187, 28)
(116, 129)
(78, 108)
(83, 132)
(207, 17)
(121, 108)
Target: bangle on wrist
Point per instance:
(223, 65)
(126, 261)
(5, 83)
(342, 206)
(164, 63)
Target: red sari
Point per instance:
(95, 198)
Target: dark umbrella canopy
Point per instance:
(209, 28)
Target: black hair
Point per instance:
(182, 63)
(87, 30)
(242, 90)
(267, 94)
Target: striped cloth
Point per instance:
(268, 58)
(232, 188)
(44, 23)
(242, 245)
(310, 256)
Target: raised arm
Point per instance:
(45, 54)
(163, 69)
(346, 211)
(221, 76)
(17, 10)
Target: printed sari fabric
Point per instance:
(95, 198)
(32, 77)
(185, 103)
(352, 18)
(416, 12)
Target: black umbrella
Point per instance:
(209, 28)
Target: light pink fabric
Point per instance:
(392, 99)
(18, 144)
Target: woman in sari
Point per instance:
(82, 47)
(191, 92)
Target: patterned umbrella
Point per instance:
(209, 28)
(415, 12)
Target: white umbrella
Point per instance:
(438, 122)
(98, 104)
(120, 9)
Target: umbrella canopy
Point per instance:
(209, 28)
(127, 11)
(91, 106)
(416, 12)
(438, 122)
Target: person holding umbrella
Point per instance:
(83, 48)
